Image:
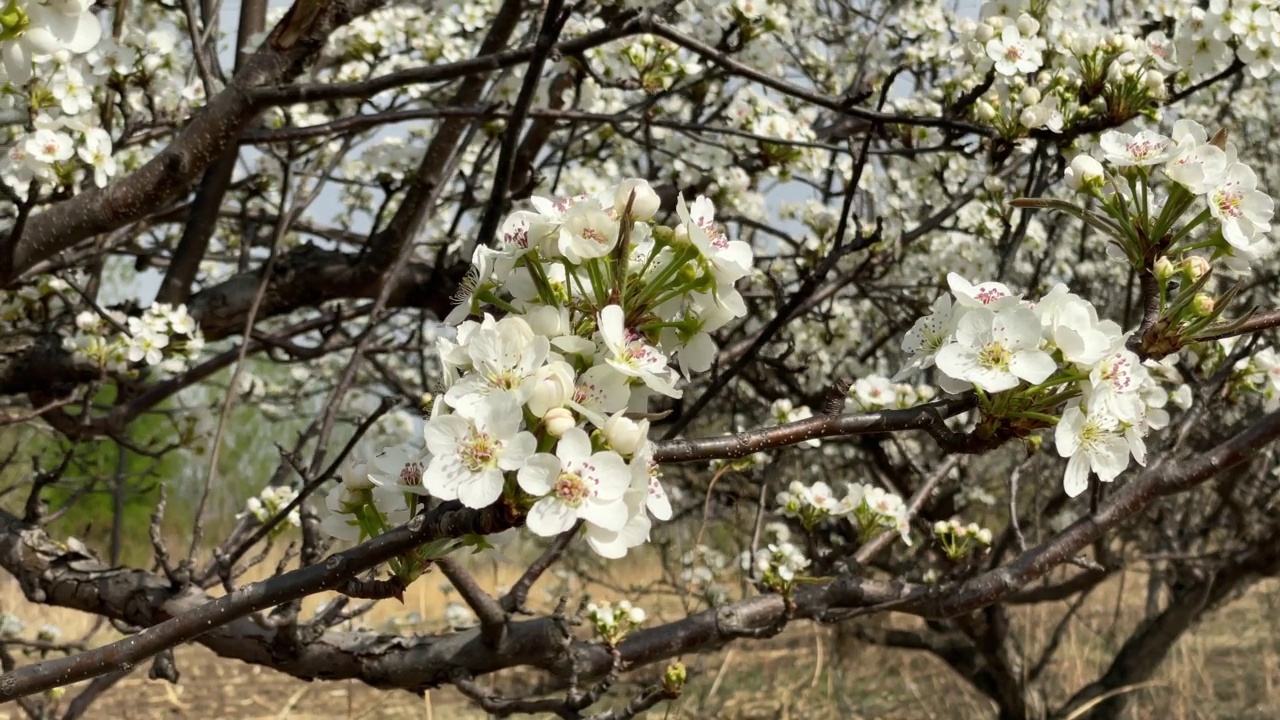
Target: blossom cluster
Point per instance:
(958, 539)
(987, 338)
(870, 508)
(777, 566)
(163, 335)
(544, 406)
(1201, 171)
(1047, 72)
(269, 503)
(613, 621)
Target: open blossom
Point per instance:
(575, 484)
(630, 355)
(471, 450)
(1014, 54)
(1244, 211)
(730, 259)
(505, 355)
(991, 295)
(927, 336)
(43, 28)
(997, 350)
(1071, 323)
(1144, 148)
(1094, 442)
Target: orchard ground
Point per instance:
(1229, 667)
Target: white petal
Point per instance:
(538, 474)
(549, 517)
(482, 490)
(1076, 480)
(1034, 366)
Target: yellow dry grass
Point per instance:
(1226, 668)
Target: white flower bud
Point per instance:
(559, 421)
(1027, 25)
(1164, 268)
(552, 388)
(1029, 96)
(942, 527)
(636, 615)
(1154, 80)
(356, 477)
(984, 536)
(1195, 267)
(985, 111)
(644, 205)
(984, 32)
(624, 434)
(1084, 171)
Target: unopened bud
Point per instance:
(1202, 304)
(559, 421)
(673, 678)
(985, 111)
(1154, 80)
(1195, 267)
(1164, 268)
(983, 33)
(1027, 25)
(624, 434)
(644, 201)
(1029, 96)
(1084, 172)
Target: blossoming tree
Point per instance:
(946, 313)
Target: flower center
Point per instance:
(571, 489)
(988, 295)
(1143, 149)
(994, 355)
(411, 474)
(1117, 373)
(1228, 202)
(478, 452)
(595, 236)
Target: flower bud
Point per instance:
(1154, 80)
(985, 111)
(1085, 172)
(942, 527)
(1027, 25)
(644, 201)
(673, 677)
(1202, 304)
(1164, 268)
(984, 536)
(553, 386)
(559, 421)
(1195, 267)
(984, 32)
(624, 434)
(1029, 96)
(356, 477)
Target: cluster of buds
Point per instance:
(612, 622)
(777, 566)
(958, 540)
(872, 509)
(268, 503)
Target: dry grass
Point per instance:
(1226, 668)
